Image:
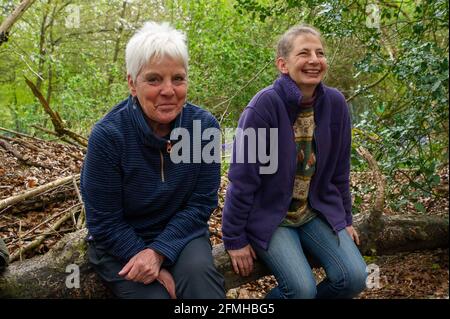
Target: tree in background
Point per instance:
(389, 58)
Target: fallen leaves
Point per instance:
(413, 275)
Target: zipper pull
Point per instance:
(169, 147)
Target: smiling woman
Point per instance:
(147, 215)
(305, 205)
(161, 88)
(305, 63)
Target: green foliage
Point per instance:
(390, 59)
(397, 55)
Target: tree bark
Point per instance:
(46, 276)
(10, 20)
(117, 46)
(36, 191)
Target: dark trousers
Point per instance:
(194, 274)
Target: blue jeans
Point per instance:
(337, 254)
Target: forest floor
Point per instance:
(419, 274)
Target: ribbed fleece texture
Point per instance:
(128, 205)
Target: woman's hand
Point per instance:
(143, 267)
(353, 234)
(166, 279)
(242, 260)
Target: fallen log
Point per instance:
(36, 191)
(40, 202)
(19, 156)
(64, 272)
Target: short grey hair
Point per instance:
(285, 44)
(155, 40)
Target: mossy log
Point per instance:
(54, 275)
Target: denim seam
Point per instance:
(326, 249)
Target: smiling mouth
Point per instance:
(313, 72)
(166, 105)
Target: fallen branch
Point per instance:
(35, 191)
(55, 118)
(38, 241)
(26, 144)
(62, 138)
(21, 134)
(43, 223)
(19, 156)
(81, 218)
(40, 201)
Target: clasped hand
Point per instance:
(143, 267)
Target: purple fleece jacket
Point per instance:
(255, 203)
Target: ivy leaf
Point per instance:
(436, 85)
(419, 207)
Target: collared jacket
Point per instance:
(256, 203)
(135, 196)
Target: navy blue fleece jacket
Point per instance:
(135, 196)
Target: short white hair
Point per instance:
(155, 40)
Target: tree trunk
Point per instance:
(117, 46)
(51, 275)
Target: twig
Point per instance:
(60, 193)
(41, 238)
(358, 92)
(81, 219)
(26, 144)
(63, 138)
(21, 134)
(80, 222)
(381, 182)
(20, 240)
(238, 91)
(74, 182)
(38, 190)
(49, 233)
(46, 221)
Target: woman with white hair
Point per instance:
(146, 214)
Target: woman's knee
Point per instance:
(357, 282)
(197, 267)
(305, 292)
(300, 290)
(350, 283)
(198, 278)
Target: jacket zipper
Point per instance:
(161, 155)
(162, 166)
